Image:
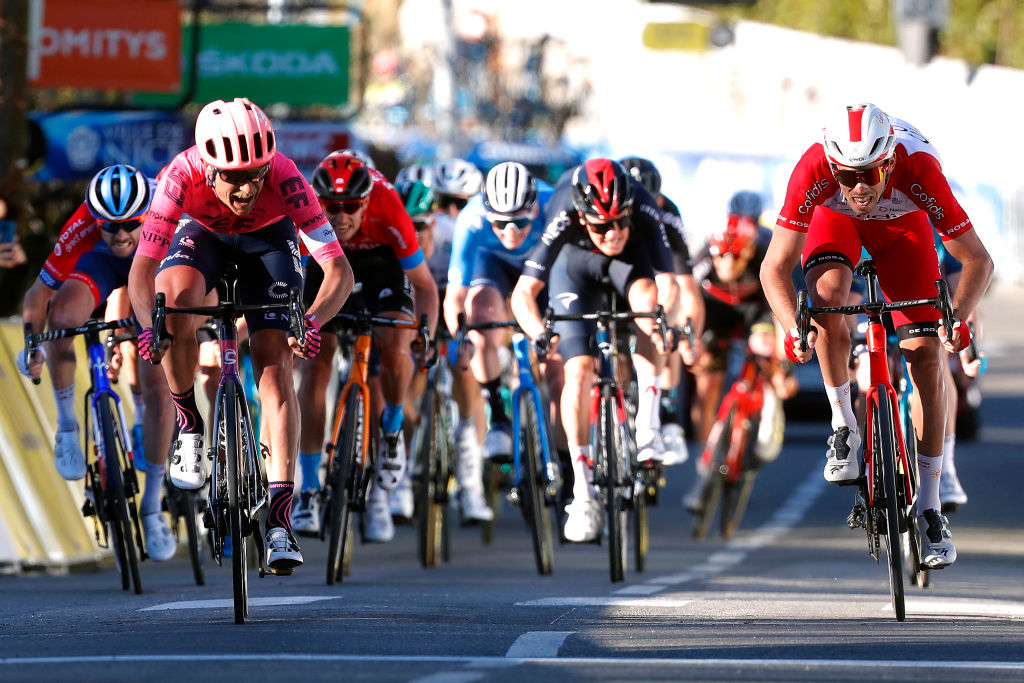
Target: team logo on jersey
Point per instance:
(384, 293)
(812, 194)
(278, 290)
(566, 299)
(927, 202)
(186, 242)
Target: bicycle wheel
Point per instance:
(238, 528)
(613, 452)
(738, 492)
(189, 510)
(534, 483)
(338, 516)
(430, 488)
(120, 521)
(715, 482)
(885, 458)
(641, 520)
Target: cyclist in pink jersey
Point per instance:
(874, 182)
(245, 204)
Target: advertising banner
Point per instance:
(98, 44)
(294, 64)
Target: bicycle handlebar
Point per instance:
(606, 317)
(465, 328)
(33, 340)
(368, 320)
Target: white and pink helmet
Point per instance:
(234, 135)
(860, 136)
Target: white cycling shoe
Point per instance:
(187, 465)
(68, 456)
(160, 543)
(584, 521)
(843, 460)
(474, 506)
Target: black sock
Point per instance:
(494, 400)
(188, 418)
(280, 513)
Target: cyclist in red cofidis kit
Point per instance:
(248, 204)
(876, 182)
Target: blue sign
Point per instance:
(79, 143)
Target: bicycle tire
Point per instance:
(338, 516)
(715, 482)
(430, 522)
(641, 522)
(885, 457)
(534, 481)
(493, 479)
(737, 494)
(120, 521)
(232, 454)
(195, 550)
(611, 445)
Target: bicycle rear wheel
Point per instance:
(338, 516)
(534, 481)
(189, 510)
(715, 482)
(885, 457)
(432, 482)
(641, 520)
(119, 519)
(611, 443)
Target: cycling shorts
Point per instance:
(903, 249)
(724, 322)
(267, 260)
(101, 272)
(580, 282)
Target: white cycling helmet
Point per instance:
(458, 178)
(234, 135)
(424, 173)
(509, 190)
(860, 136)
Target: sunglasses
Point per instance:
(458, 202)
(249, 175)
(113, 227)
(868, 176)
(623, 223)
(519, 224)
(348, 207)
(725, 252)
(421, 223)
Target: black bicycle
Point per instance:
(111, 483)
(238, 481)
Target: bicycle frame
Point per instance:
(359, 372)
(746, 395)
(521, 350)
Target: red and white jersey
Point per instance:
(78, 236)
(184, 188)
(386, 223)
(916, 184)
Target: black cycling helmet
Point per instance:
(644, 171)
(602, 190)
(342, 178)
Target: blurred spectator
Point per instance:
(11, 253)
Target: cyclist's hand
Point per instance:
(976, 367)
(792, 345)
(116, 361)
(960, 338)
(146, 350)
(687, 351)
(661, 345)
(545, 347)
(312, 346)
(32, 367)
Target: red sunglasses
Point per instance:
(348, 207)
(868, 176)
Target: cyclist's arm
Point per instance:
(142, 288)
(37, 300)
(335, 289)
(691, 303)
(782, 257)
(454, 304)
(524, 305)
(424, 293)
(976, 275)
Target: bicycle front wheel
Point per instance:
(534, 483)
(714, 483)
(613, 452)
(189, 509)
(237, 526)
(641, 520)
(343, 465)
(119, 519)
(432, 482)
(886, 456)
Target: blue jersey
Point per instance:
(473, 234)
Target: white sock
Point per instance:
(154, 489)
(948, 448)
(648, 404)
(928, 488)
(66, 418)
(583, 472)
(842, 406)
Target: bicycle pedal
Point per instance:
(514, 498)
(282, 571)
(856, 518)
(88, 509)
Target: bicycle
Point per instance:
(729, 450)
(613, 457)
(348, 476)
(111, 483)
(238, 481)
(887, 490)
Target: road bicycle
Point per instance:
(614, 457)
(238, 479)
(111, 483)
(729, 452)
(887, 490)
(349, 451)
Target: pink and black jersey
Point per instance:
(184, 189)
(78, 236)
(386, 223)
(916, 184)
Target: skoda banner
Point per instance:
(294, 64)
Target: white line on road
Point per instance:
(638, 590)
(964, 607)
(829, 665)
(538, 644)
(253, 602)
(606, 601)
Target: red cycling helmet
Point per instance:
(341, 177)
(739, 233)
(602, 190)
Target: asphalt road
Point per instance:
(793, 597)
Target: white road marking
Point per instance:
(538, 644)
(253, 602)
(638, 590)
(828, 665)
(965, 607)
(606, 601)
